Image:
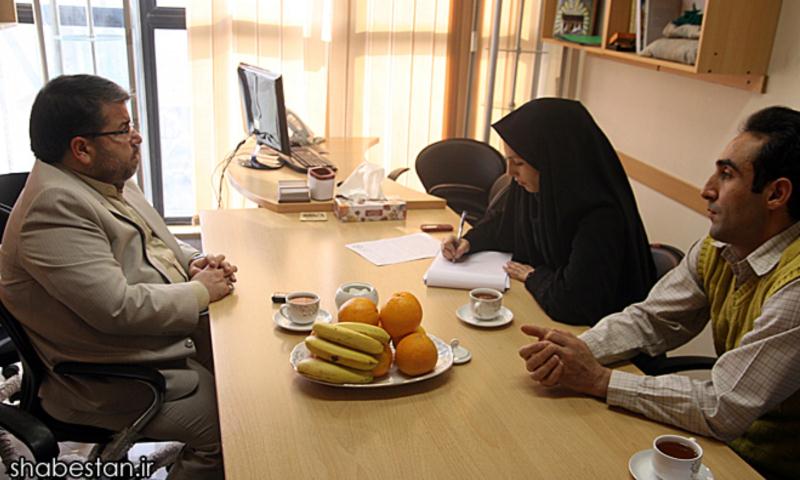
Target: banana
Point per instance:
(340, 355)
(348, 338)
(328, 372)
(377, 333)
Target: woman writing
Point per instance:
(570, 218)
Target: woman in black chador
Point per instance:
(570, 218)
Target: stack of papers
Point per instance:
(293, 191)
(479, 270)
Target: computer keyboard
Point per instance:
(304, 158)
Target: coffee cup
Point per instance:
(301, 307)
(676, 457)
(485, 303)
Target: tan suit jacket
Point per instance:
(76, 274)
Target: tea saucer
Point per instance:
(641, 467)
(464, 313)
(283, 322)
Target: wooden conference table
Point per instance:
(484, 419)
(261, 186)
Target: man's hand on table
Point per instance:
(215, 273)
(216, 283)
(214, 261)
(561, 358)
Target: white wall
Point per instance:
(680, 125)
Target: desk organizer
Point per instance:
(369, 210)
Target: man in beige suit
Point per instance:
(94, 275)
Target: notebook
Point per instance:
(482, 269)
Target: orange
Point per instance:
(384, 362)
(416, 354)
(401, 314)
(396, 340)
(359, 309)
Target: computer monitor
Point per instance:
(265, 111)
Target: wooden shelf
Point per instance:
(8, 12)
(655, 63)
(734, 50)
(563, 43)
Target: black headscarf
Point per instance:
(582, 231)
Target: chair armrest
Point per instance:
(394, 174)
(147, 375)
(30, 431)
(663, 365)
(455, 187)
(684, 363)
(131, 372)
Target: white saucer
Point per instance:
(641, 467)
(285, 323)
(465, 315)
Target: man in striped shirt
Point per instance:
(743, 278)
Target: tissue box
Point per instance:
(370, 210)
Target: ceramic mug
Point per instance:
(355, 289)
(485, 303)
(301, 307)
(321, 182)
(676, 457)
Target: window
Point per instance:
(82, 36)
(166, 81)
(175, 122)
(21, 78)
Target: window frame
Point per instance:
(152, 18)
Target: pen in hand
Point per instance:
(461, 227)
(459, 234)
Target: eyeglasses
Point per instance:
(125, 133)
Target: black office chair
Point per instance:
(30, 431)
(667, 257)
(394, 174)
(11, 185)
(498, 194)
(111, 446)
(462, 171)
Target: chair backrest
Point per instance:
(32, 375)
(498, 193)
(11, 185)
(33, 367)
(462, 171)
(666, 257)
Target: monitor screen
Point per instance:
(262, 103)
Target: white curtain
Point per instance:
(351, 68)
(511, 92)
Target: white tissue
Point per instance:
(363, 184)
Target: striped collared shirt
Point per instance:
(745, 383)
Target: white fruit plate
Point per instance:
(394, 377)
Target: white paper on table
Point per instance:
(398, 249)
(479, 270)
